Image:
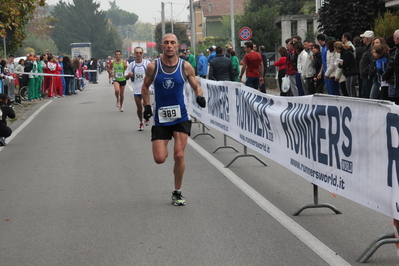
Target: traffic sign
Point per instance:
(245, 34)
(183, 46)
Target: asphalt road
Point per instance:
(78, 186)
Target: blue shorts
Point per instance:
(137, 95)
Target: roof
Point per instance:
(217, 8)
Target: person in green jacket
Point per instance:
(236, 64)
(191, 59)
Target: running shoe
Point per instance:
(117, 103)
(177, 198)
(121, 109)
(141, 127)
(146, 122)
(2, 141)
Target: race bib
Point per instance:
(139, 76)
(119, 75)
(169, 113)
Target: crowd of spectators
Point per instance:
(366, 66)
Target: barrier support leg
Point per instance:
(246, 155)
(225, 145)
(381, 240)
(195, 121)
(316, 203)
(203, 132)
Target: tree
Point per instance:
(262, 24)
(386, 24)
(37, 45)
(121, 17)
(14, 15)
(291, 7)
(81, 21)
(179, 30)
(340, 16)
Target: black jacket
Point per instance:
(391, 74)
(68, 69)
(348, 66)
(221, 68)
(366, 62)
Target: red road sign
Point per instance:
(245, 34)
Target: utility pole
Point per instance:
(163, 18)
(192, 28)
(233, 36)
(171, 14)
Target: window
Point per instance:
(210, 7)
(294, 28)
(309, 26)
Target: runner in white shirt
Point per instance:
(136, 69)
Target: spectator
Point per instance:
(321, 39)
(5, 111)
(302, 56)
(391, 75)
(309, 70)
(379, 90)
(347, 40)
(281, 63)
(253, 65)
(365, 63)
(291, 69)
(20, 68)
(10, 65)
(329, 75)
(68, 70)
(191, 59)
(221, 67)
(236, 64)
(212, 53)
(318, 65)
(202, 66)
(348, 66)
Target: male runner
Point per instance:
(118, 73)
(137, 69)
(169, 75)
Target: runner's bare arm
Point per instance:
(192, 79)
(145, 89)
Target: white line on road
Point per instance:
(24, 124)
(311, 241)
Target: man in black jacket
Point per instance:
(5, 111)
(365, 63)
(220, 67)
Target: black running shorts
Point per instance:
(166, 132)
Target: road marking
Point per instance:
(24, 124)
(311, 241)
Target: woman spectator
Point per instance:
(20, 68)
(332, 56)
(77, 69)
(63, 82)
(382, 42)
(281, 64)
(68, 70)
(348, 66)
(236, 64)
(379, 90)
(317, 64)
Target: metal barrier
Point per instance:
(9, 87)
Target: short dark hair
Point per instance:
(232, 52)
(219, 50)
(118, 51)
(262, 48)
(348, 36)
(3, 96)
(249, 45)
(321, 37)
(210, 49)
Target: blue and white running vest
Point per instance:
(170, 103)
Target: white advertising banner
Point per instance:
(348, 146)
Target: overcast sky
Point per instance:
(147, 10)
